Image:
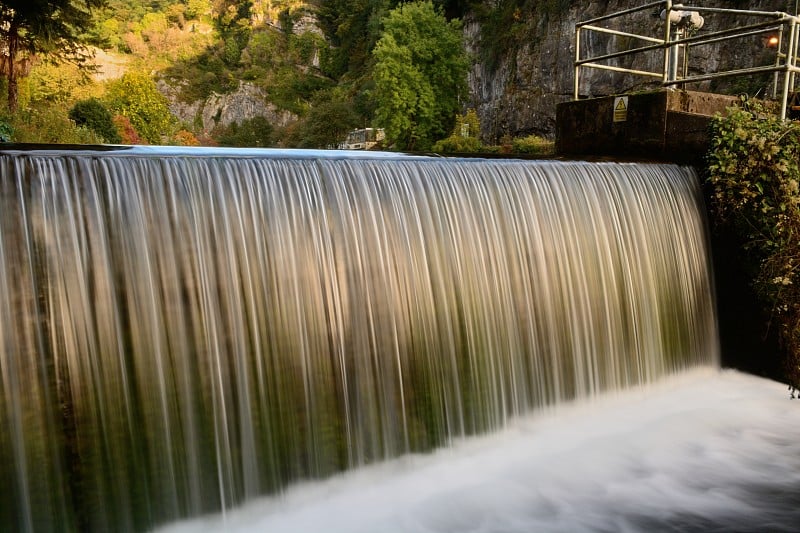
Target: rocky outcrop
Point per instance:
(518, 92)
(222, 110)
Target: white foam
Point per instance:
(706, 449)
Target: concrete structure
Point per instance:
(663, 125)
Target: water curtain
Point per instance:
(182, 331)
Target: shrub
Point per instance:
(50, 125)
(754, 174)
(126, 131)
(465, 134)
(136, 97)
(256, 131)
(92, 114)
(6, 131)
(533, 145)
(457, 144)
(186, 138)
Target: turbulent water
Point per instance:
(185, 330)
(700, 452)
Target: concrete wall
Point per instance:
(660, 125)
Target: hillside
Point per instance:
(301, 74)
(229, 71)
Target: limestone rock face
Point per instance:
(516, 93)
(222, 110)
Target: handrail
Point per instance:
(677, 38)
(622, 13)
(621, 53)
(600, 29)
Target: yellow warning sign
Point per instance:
(620, 109)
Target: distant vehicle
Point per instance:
(362, 139)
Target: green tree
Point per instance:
(352, 27)
(420, 75)
(92, 114)
(328, 121)
(54, 84)
(136, 97)
(254, 132)
(52, 28)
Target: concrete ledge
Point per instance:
(662, 125)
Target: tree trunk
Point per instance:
(13, 46)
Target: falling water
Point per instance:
(184, 330)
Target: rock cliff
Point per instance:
(222, 110)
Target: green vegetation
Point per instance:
(420, 75)
(353, 28)
(274, 59)
(49, 124)
(330, 118)
(465, 135)
(333, 65)
(95, 116)
(465, 139)
(754, 173)
(6, 131)
(253, 132)
(232, 22)
(136, 97)
(532, 145)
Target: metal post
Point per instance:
(792, 75)
(668, 48)
(791, 54)
(685, 59)
(775, 75)
(673, 58)
(577, 64)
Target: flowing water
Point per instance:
(185, 330)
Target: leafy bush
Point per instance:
(754, 173)
(136, 97)
(456, 144)
(126, 131)
(303, 47)
(465, 134)
(92, 114)
(186, 138)
(533, 145)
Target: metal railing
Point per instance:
(677, 38)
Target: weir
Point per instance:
(183, 330)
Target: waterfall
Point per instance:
(183, 330)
